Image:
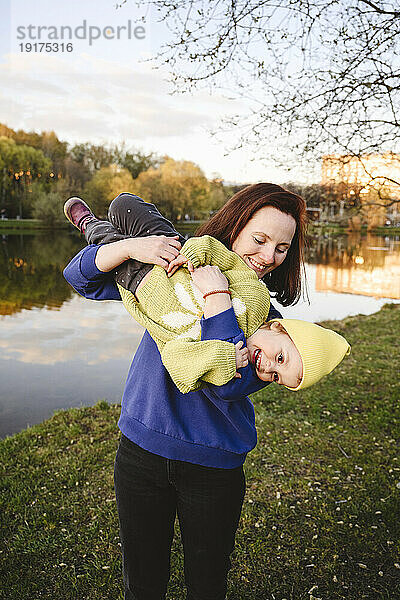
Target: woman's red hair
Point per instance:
(229, 221)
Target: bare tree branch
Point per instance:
(321, 76)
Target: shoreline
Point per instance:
(12, 226)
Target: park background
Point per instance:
(211, 96)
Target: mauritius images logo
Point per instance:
(63, 34)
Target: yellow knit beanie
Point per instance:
(321, 349)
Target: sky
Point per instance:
(106, 90)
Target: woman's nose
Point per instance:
(268, 255)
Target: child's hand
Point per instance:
(208, 278)
(176, 263)
(241, 356)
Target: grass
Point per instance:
(321, 514)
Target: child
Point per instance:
(292, 353)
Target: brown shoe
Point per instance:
(78, 213)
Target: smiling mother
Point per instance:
(183, 454)
(265, 225)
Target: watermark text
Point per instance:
(58, 33)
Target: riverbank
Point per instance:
(320, 519)
(12, 226)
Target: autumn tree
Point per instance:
(176, 187)
(136, 161)
(48, 207)
(91, 156)
(20, 166)
(105, 184)
(47, 142)
(75, 166)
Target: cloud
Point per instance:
(84, 97)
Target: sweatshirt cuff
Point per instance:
(223, 326)
(88, 265)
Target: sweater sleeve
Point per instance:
(249, 382)
(86, 279)
(191, 363)
(224, 326)
(206, 250)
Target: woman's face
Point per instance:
(265, 240)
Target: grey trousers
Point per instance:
(130, 216)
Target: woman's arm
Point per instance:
(154, 249)
(83, 275)
(88, 272)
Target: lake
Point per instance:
(58, 350)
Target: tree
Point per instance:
(73, 166)
(105, 184)
(320, 75)
(92, 157)
(136, 162)
(176, 187)
(47, 207)
(20, 166)
(46, 141)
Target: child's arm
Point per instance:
(222, 326)
(204, 250)
(191, 364)
(214, 361)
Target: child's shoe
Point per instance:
(78, 213)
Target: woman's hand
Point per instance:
(154, 249)
(208, 278)
(241, 356)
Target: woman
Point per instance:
(184, 453)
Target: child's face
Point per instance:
(275, 357)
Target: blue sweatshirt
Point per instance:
(214, 426)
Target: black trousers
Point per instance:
(152, 490)
(130, 216)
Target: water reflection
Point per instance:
(59, 350)
(31, 268)
(369, 266)
(85, 331)
(52, 359)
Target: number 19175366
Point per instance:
(46, 47)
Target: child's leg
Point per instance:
(129, 216)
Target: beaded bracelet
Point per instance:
(217, 292)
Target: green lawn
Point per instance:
(321, 515)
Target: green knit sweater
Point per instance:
(170, 308)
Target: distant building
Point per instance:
(366, 180)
